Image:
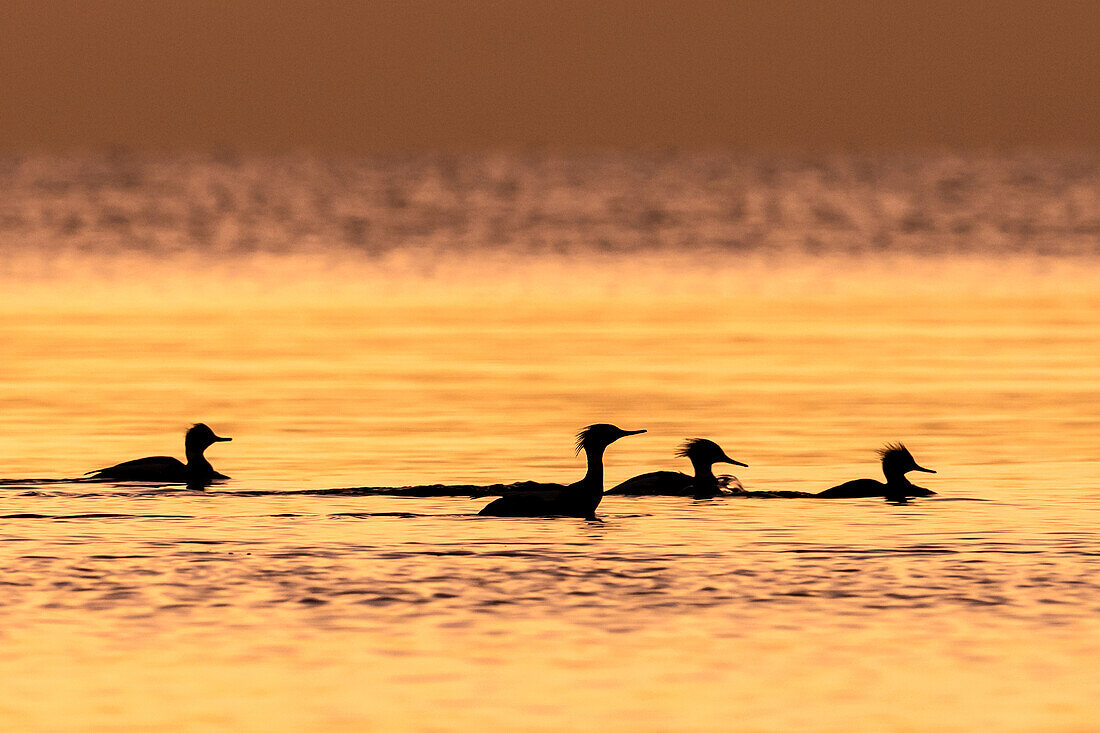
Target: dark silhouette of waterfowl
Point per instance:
(896, 462)
(576, 500)
(703, 454)
(196, 473)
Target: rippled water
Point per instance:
(256, 606)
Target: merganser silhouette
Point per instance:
(576, 500)
(197, 472)
(896, 462)
(703, 454)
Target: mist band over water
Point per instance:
(545, 203)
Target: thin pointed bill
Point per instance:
(632, 432)
(218, 439)
(921, 468)
(727, 459)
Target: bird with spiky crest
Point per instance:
(896, 462)
(576, 500)
(196, 473)
(703, 454)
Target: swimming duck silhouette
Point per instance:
(197, 472)
(896, 462)
(703, 454)
(576, 500)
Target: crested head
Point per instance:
(701, 449)
(199, 431)
(894, 452)
(896, 459)
(698, 447)
(601, 435)
(201, 434)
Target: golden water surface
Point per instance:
(250, 607)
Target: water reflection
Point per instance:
(294, 597)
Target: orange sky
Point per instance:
(345, 76)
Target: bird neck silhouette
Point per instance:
(895, 475)
(898, 487)
(704, 473)
(593, 453)
(196, 460)
(896, 478)
(590, 491)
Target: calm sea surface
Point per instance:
(391, 322)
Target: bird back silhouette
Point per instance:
(896, 462)
(703, 454)
(196, 473)
(576, 500)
